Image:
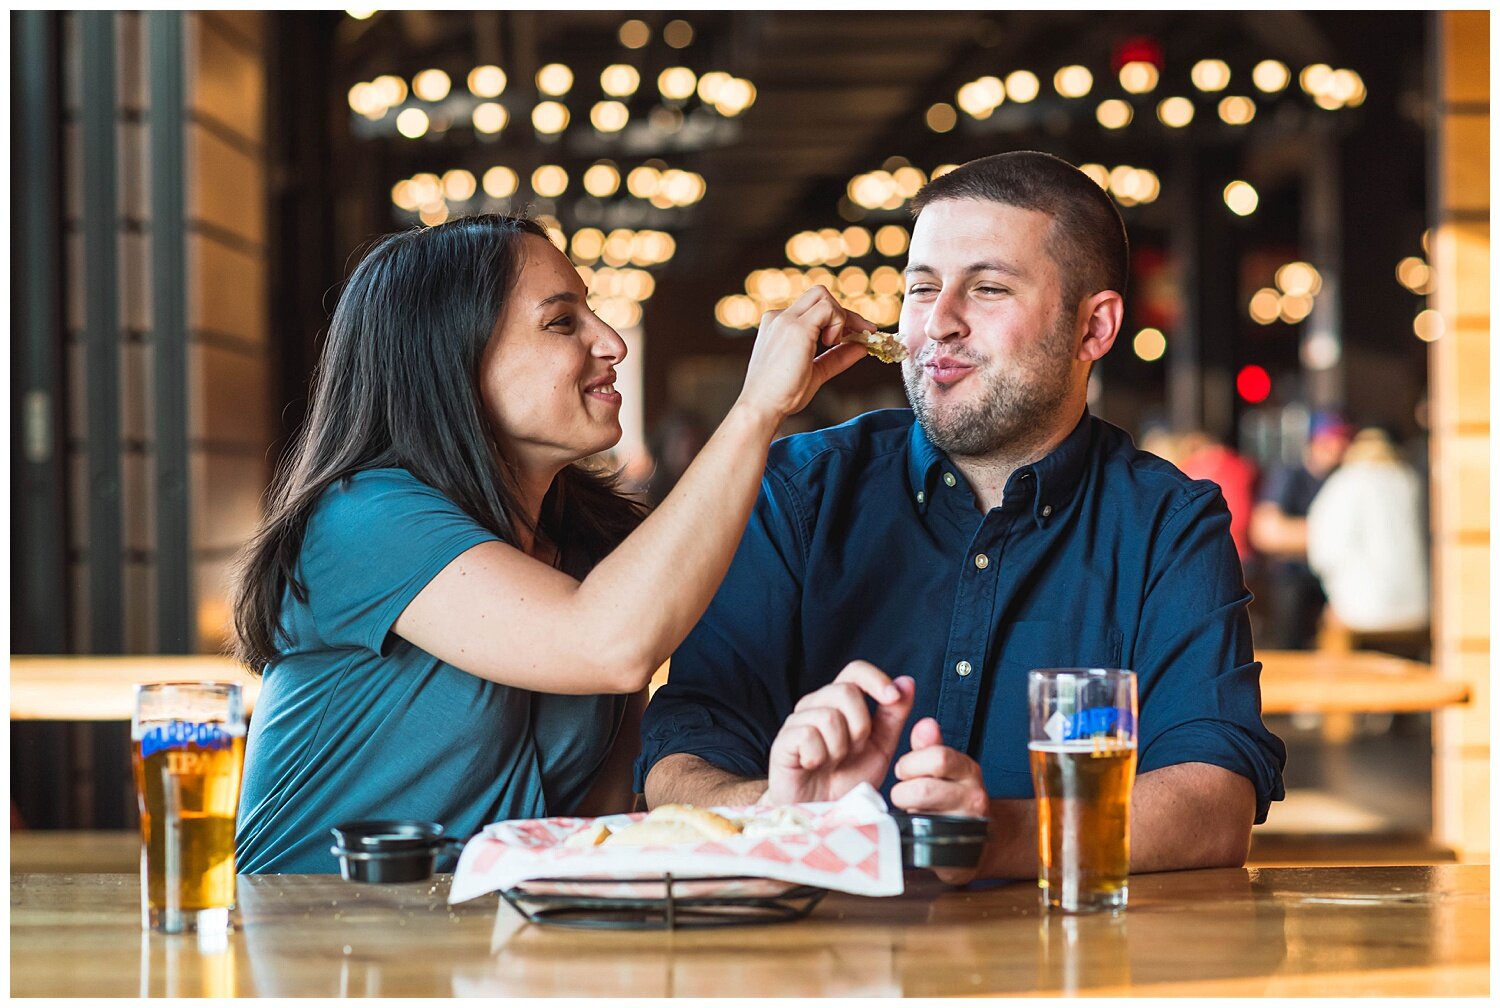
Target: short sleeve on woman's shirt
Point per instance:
(373, 542)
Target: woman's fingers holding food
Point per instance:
(831, 363)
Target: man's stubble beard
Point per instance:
(1019, 402)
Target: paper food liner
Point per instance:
(851, 845)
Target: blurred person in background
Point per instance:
(1278, 531)
(1367, 542)
(455, 619)
(1210, 458)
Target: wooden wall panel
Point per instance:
(226, 185)
(229, 373)
(226, 79)
(227, 489)
(1460, 394)
(226, 290)
(211, 574)
(228, 403)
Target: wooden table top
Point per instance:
(98, 687)
(1402, 931)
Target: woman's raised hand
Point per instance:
(784, 374)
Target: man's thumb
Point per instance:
(926, 733)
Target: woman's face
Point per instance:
(548, 374)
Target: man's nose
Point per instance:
(945, 321)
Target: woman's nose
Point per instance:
(610, 346)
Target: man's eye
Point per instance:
(990, 289)
(919, 289)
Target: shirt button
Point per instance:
(963, 668)
(981, 561)
(921, 497)
(1047, 511)
(949, 479)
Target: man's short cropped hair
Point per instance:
(1091, 250)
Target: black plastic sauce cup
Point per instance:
(390, 850)
(941, 841)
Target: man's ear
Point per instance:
(1100, 316)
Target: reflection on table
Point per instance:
(1239, 932)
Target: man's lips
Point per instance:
(946, 370)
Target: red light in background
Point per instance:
(1141, 48)
(1253, 383)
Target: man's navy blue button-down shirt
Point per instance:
(867, 543)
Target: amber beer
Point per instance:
(1083, 822)
(187, 775)
(1082, 749)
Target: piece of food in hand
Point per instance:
(777, 822)
(674, 824)
(592, 835)
(883, 346)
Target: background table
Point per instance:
(1234, 932)
(98, 687)
(1351, 682)
(101, 687)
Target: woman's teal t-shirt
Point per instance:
(353, 722)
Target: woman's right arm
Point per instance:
(497, 613)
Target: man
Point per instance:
(1005, 529)
(1278, 530)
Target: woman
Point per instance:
(455, 620)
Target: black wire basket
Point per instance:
(668, 912)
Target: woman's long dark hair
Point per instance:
(398, 386)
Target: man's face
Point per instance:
(992, 355)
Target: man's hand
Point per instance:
(832, 740)
(936, 779)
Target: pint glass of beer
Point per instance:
(1082, 768)
(187, 744)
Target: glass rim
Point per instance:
(188, 684)
(1096, 671)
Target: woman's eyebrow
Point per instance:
(565, 296)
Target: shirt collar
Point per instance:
(1057, 474)
(922, 462)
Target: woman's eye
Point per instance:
(561, 322)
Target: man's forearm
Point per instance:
(1189, 816)
(690, 780)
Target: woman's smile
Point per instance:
(603, 389)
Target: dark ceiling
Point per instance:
(840, 92)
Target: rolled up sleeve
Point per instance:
(1199, 680)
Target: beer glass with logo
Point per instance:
(187, 750)
(1082, 745)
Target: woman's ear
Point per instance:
(1100, 316)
